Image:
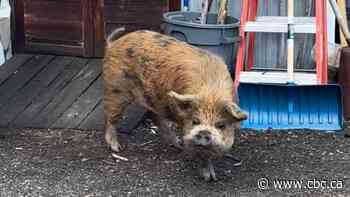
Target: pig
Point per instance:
(180, 84)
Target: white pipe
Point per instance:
(290, 54)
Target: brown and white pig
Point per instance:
(180, 84)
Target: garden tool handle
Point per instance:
(206, 4)
(290, 52)
(341, 21)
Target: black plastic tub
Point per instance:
(221, 40)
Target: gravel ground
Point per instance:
(77, 163)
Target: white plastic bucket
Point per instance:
(5, 31)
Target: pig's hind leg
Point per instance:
(115, 103)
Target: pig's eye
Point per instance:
(220, 125)
(196, 121)
(185, 106)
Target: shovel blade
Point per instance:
(271, 106)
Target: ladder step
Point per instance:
(277, 78)
(279, 24)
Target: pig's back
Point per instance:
(163, 64)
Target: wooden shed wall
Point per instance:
(134, 14)
(78, 27)
(61, 20)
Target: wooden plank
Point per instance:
(51, 48)
(12, 65)
(24, 96)
(50, 21)
(49, 93)
(95, 120)
(46, 24)
(127, 13)
(54, 32)
(132, 117)
(44, 9)
(24, 74)
(68, 95)
(82, 107)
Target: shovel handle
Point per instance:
(290, 56)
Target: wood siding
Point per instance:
(79, 27)
(70, 27)
(135, 14)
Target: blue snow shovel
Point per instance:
(280, 100)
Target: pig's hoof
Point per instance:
(208, 172)
(212, 171)
(205, 173)
(116, 147)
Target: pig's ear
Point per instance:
(182, 102)
(236, 112)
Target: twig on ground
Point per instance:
(108, 162)
(153, 130)
(146, 143)
(119, 157)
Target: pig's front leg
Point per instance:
(167, 133)
(207, 171)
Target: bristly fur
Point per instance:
(177, 82)
(180, 84)
(145, 66)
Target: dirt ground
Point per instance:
(77, 163)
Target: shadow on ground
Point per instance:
(77, 163)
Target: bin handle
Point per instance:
(175, 15)
(229, 40)
(162, 27)
(171, 33)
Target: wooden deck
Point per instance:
(44, 91)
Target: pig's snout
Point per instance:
(203, 138)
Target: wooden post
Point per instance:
(343, 37)
(222, 12)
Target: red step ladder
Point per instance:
(250, 23)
